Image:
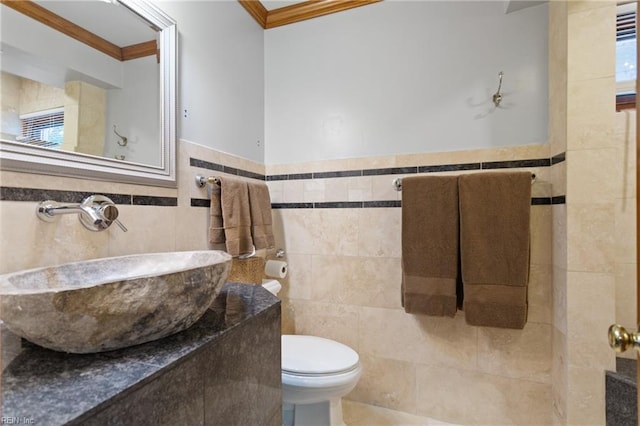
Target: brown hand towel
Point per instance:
(429, 244)
(260, 210)
(494, 242)
(230, 211)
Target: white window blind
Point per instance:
(43, 128)
(626, 71)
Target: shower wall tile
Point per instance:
(387, 383)
(481, 399)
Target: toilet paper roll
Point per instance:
(275, 269)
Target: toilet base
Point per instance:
(325, 413)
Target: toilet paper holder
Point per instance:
(280, 253)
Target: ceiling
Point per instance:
(98, 17)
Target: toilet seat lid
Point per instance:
(316, 355)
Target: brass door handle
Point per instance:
(620, 339)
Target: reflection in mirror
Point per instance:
(88, 90)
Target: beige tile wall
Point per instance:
(625, 254)
(585, 263)
(28, 242)
(344, 284)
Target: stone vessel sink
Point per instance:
(105, 304)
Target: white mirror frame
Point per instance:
(15, 156)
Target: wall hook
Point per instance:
(497, 97)
(123, 139)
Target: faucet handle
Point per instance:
(99, 213)
(121, 225)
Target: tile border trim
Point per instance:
(37, 194)
(487, 165)
(8, 193)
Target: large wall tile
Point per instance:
(380, 232)
(591, 30)
(592, 175)
(481, 399)
(333, 321)
(28, 242)
(386, 383)
(360, 281)
(150, 229)
(590, 231)
(394, 334)
(540, 294)
(585, 398)
(297, 283)
(588, 326)
(541, 236)
(591, 124)
(519, 354)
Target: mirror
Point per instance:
(89, 90)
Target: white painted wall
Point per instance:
(133, 108)
(221, 76)
(401, 77)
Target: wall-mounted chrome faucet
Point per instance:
(96, 212)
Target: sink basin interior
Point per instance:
(90, 273)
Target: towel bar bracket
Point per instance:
(201, 181)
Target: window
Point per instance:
(43, 128)
(626, 56)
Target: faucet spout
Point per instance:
(96, 212)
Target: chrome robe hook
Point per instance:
(497, 97)
(123, 139)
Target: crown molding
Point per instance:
(298, 12)
(46, 17)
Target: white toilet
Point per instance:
(316, 374)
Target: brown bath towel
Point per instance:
(230, 216)
(260, 210)
(494, 242)
(429, 244)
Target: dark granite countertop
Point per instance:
(44, 387)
